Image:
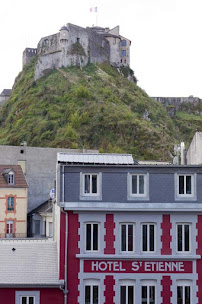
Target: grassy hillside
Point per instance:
(93, 108)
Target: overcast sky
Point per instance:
(166, 50)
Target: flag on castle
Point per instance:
(93, 9)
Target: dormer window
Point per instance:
(11, 179)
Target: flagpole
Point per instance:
(96, 17)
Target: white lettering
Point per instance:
(161, 266)
(174, 266)
(94, 266)
(110, 265)
(104, 267)
(181, 266)
(147, 266)
(121, 267)
(135, 266)
(116, 266)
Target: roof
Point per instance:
(46, 207)
(5, 92)
(32, 262)
(20, 181)
(96, 158)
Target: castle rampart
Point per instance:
(74, 45)
(28, 54)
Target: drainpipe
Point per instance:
(65, 291)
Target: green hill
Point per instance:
(95, 108)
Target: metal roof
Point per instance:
(96, 158)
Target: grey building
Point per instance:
(133, 231)
(4, 95)
(39, 166)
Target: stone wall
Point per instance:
(99, 48)
(28, 54)
(75, 45)
(177, 101)
(194, 153)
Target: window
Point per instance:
(10, 203)
(91, 292)
(127, 237)
(27, 297)
(138, 186)
(9, 228)
(148, 292)
(183, 292)
(148, 237)
(11, 178)
(123, 52)
(123, 43)
(92, 236)
(185, 186)
(127, 292)
(183, 237)
(27, 300)
(90, 186)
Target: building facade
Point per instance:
(13, 202)
(134, 232)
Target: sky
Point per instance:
(166, 49)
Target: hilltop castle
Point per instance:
(74, 45)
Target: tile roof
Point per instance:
(32, 262)
(20, 181)
(96, 158)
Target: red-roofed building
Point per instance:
(13, 202)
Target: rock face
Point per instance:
(74, 45)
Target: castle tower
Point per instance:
(64, 35)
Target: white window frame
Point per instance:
(27, 297)
(149, 283)
(148, 239)
(138, 196)
(26, 293)
(85, 238)
(92, 283)
(185, 196)
(127, 251)
(183, 242)
(11, 178)
(127, 283)
(184, 283)
(90, 196)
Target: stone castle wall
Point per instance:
(75, 45)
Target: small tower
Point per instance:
(64, 35)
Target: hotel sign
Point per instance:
(133, 266)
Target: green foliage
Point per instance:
(94, 108)
(82, 92)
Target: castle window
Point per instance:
(114, 40)
(123, 52)
(123, 42)
(78, 40)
